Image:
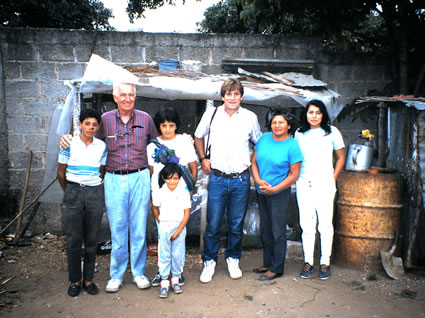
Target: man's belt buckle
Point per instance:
(219, 173)
(127, 171)
(80, 184)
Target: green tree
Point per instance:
(282, 21)
(224, 17)
(396, 27)
(136, 8)
(64, 14)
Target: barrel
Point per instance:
(368, 215)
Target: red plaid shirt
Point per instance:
(126, 143)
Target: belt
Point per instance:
(126, 171)
(219, 173)
(80, 184)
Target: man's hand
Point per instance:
(189, 138)
(206, 166)
(65, 141)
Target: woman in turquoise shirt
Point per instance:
(275, 167)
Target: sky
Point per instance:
(179, 18)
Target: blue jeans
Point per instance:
(127, 198)
(230, 193)
(172, 256)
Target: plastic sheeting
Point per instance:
(60, 124)
(100, 75)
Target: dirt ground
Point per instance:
(33, 283)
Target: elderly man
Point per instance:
(127, 132)
(228, 130)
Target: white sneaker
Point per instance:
(113, 285)
(233, 267)
(208, 271)
(142, 282)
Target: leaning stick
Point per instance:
(24, 210)
(24, 196)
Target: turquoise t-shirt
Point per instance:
(274, 158)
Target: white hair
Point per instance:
(117, 84)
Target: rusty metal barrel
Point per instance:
(368, 215)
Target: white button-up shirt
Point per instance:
(229, 138)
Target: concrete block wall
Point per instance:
(4, 169)
(36, 62)
(352, 76)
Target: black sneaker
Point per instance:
(306, 271)
(325, 272)
(181, 280)
(156, 281)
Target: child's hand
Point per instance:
(175, 235)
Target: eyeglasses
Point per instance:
(128, 133)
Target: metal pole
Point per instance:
(382, 140)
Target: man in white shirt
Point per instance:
(227, 131)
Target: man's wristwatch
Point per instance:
(201, 159)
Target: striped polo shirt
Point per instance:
(83, 162)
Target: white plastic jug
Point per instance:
(359, 157)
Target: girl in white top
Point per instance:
(316, 185)
(167, 122)
(171, 208)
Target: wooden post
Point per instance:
(200, 110)
(23, 197)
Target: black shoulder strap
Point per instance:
(208, 146)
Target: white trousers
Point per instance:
(315, 204)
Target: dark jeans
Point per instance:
(83, 209)
(273, 211)
(230, 193)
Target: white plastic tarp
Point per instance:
(100, 75)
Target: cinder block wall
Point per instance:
(36, 62)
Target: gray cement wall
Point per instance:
(4, 173)
(35, 63)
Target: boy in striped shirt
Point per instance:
(81, 168)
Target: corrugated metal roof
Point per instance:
(409, 101)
